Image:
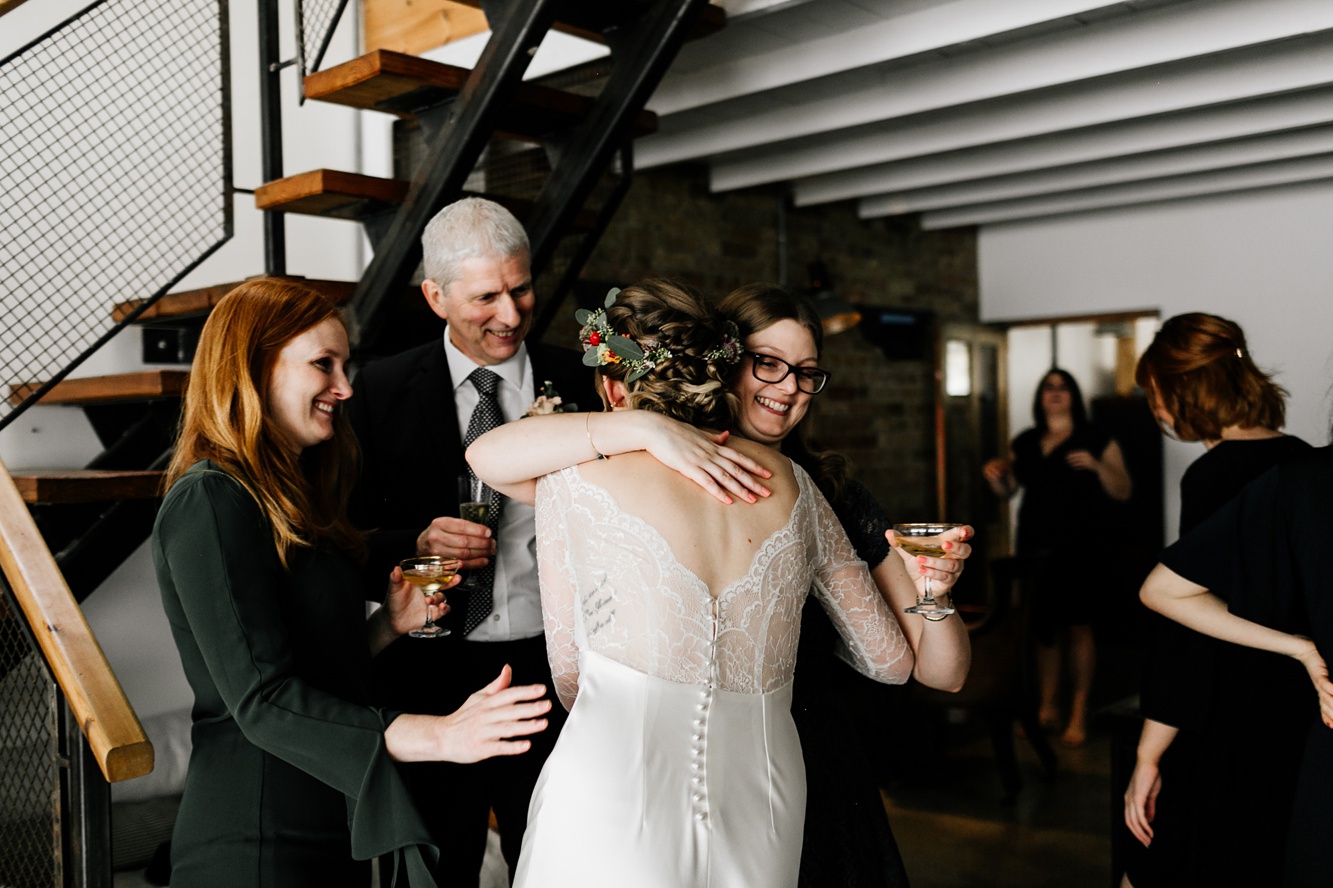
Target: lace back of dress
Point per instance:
(633, 602)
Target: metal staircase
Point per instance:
(95, 516)
(118, 182)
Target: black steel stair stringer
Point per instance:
(642, 51)
(451, 156)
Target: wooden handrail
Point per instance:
(96, 698)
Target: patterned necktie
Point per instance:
(485, 417)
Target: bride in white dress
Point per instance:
(672, 623)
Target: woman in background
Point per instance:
(292, 774)
(1214, 775)
(1069, 471)
(1267, 553)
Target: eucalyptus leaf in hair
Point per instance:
(626, 348)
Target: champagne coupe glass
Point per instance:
(430, 574)
(474, 504)
(924, 539)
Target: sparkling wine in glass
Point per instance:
(924, 539)
(430, 574)
(474, 504)
(477, 513)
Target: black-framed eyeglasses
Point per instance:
(767, 368)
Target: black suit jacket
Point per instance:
(403, 414)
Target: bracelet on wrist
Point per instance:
(587, 430)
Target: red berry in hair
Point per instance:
(595, 338)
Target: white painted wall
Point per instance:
(1261, 258)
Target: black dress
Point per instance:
(1061, 530)
(847, 842)
(289, 778)
(1267, 552)
(1230, 705)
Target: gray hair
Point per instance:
(467, 229)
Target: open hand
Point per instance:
(1141, 800)
(489, 720)
(704, 458)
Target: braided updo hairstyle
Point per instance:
(689, 386)
(1199, 369)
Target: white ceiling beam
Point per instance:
(1289, 172)
(1152, 38)
(739, 10)
(1138, 168)
(1159, 133)
(937, 27)
(1303, 63)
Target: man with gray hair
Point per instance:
(414, 415)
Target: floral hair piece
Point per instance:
(729, 350)
(603, 345)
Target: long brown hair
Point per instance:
(757, 306)
(226, 420)
(1199, 369)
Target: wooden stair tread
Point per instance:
(589, 18)
(86, 485)
(397, 83)
(194, 303)
(332, 193)
(143, 385)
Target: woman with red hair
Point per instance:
(292, 773)
(1214, 774)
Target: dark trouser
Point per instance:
(435, 676)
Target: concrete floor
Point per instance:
(951, 823)
(954, 831)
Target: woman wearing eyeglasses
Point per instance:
(847, 840)
(847, 836)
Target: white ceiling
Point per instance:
(978, 111)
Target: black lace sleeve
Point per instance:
(865, 523)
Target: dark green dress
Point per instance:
(289, 779)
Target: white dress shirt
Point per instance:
(516, 600)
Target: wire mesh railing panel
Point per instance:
(115, 174)
(29, 759)
(315, 22)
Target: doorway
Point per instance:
(986, 378)
(1101, 352)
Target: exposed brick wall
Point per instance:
(879, 412)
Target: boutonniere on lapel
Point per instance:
(549, 401)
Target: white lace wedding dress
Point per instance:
(679, 764)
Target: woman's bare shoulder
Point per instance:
(771, 459)
(783, 482)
